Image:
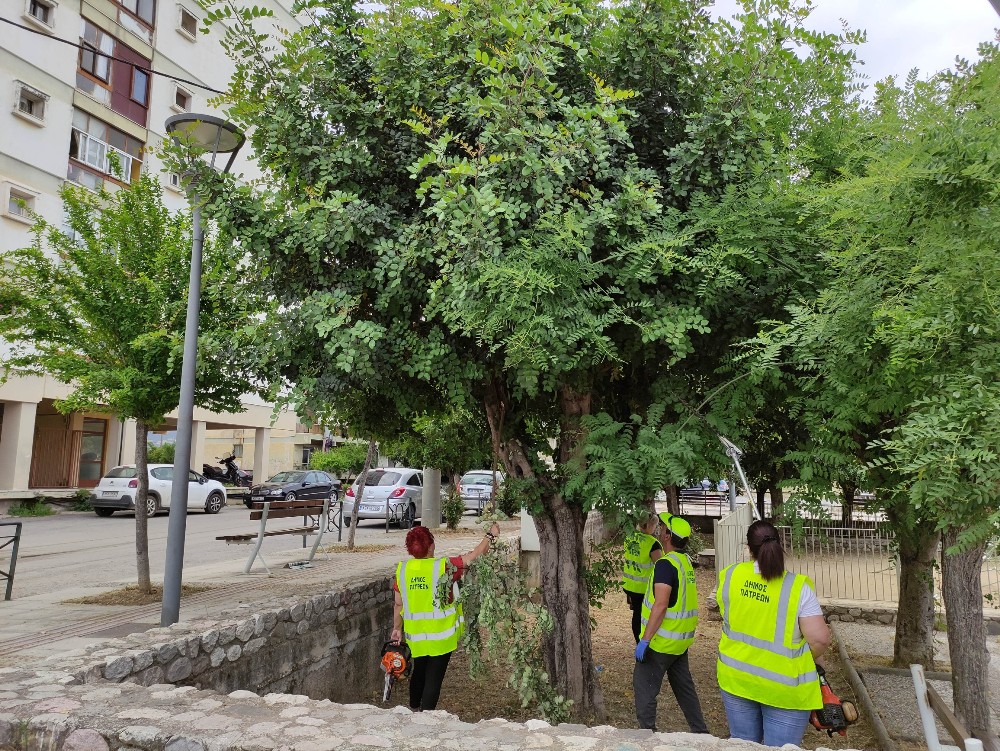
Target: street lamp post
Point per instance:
(220, 137)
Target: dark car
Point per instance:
(287, 486)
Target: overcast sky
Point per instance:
(905, 34)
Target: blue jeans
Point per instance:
(752, 721)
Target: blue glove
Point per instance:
(640, 650)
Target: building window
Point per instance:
(41, 13)
(140, 86)
(174, 181)
(29, 103)
(18, 202)
(182, 100)
(97, 146)
(187, 23)
(144, 10)
(95, 62)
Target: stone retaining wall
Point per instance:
(847, 614)
(325, 647)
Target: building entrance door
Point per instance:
(93, 442)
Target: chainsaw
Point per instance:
(836, 714)
(396, 662)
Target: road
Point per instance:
(79, 549)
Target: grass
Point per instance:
(130, 595)
(341, 547)
(36, 507)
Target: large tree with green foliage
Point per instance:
(902, 349)
(102, 308)
(538, 210)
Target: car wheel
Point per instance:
(347, 521)
(215, 503)
(289, 496)
(105, 512)
(408, 516)
(152, 506)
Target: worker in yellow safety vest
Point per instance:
(431, 627)
(642, 550)
(773, 636)
(669, 620)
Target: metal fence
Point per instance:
(845, 563)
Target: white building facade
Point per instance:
(63, 110)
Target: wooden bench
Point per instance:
(277, 509)
(929, 703)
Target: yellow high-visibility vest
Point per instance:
(431, 627)
(759, 657)
(676, 632)
(638, 565)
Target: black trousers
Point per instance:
(426, 679)
(635, 605)
(648, 679)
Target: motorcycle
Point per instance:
(232, 475)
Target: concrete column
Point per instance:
(197, 444)
(261, 454)
(431, 500)
(16, 440)
(128, 443)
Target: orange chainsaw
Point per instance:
(396, 662)
(836, 714)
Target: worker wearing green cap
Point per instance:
(669, 621)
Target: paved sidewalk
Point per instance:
(35, 627)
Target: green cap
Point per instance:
(676, 524)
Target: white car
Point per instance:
(476, 487)
(116, 491)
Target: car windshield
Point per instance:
(381, 478)
(283, 477)
(477, 479)
(117, 472)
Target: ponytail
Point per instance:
(765, 547)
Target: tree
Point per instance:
(345, 460)
(515, 209)
(453, 442)
(902, 346)
(103, 309)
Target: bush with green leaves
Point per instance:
(506, 499)
(35, 507)
(81, 501)
(162, 454)
(344, 461)
(452, 508)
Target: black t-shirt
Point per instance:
(666, 573)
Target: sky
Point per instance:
(905, 34)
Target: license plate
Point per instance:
(256, 498)
(109, 493)
(372, 508)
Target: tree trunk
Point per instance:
(777, 498)
(362, 479)
(963, 602)
(915, 611)
(847, 515)
(141, 494)
(673, 499)
(762, 500)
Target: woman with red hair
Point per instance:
(432, 627)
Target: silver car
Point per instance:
(476, 487)
(400, 487)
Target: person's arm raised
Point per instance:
(483, 546)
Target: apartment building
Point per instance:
(66, 110)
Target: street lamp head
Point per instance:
(214, 134)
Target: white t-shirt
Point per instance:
(808, 604)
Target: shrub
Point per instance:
(35, 507)
(81, 501)
(452, 509)
(508, 501)
(162, 454)
(344, 461)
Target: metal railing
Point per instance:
(846, 563)
(13, 540)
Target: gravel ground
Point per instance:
(871, 646)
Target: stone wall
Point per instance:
(326, 647)
(866, 614)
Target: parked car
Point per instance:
(399, 485)
(117, 489)
(476, 488)
(300, 483)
